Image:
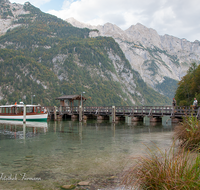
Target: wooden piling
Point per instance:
(80, 113)
(24, 114)
(113, 114)
(24, 130)
(55, 113)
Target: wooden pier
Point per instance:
(137, 113)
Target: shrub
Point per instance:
(183, 103)
(164, 170)
(188, 133)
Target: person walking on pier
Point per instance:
(195, 103)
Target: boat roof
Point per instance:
(19, 105)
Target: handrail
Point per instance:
(129, 110)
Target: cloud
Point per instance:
(174, 17)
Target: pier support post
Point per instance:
(24, 114)
(55, 113)
(113, 114)
(80, 113)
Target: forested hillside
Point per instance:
(48, 57)
(189, 87)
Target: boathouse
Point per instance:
(68, 100)
(67, 106)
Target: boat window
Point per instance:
(13, 110)
(38, 109)
(19, 110)
(29, 109)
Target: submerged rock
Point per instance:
(17, 166)
(18, 160)
(4, 164)
(68, 186)
(29, 156)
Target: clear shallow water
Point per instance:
(61, 152)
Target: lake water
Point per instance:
(49, 155)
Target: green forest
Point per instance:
(30, 64)
(189, 87)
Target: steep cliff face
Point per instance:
(46, 56)
(9, 13)
(160, 60)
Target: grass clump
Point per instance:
(188, 133)
(164, 170)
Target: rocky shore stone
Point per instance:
(112, 177)
(84, 183)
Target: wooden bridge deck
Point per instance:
(131, 111)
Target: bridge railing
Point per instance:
(69, 110)
(144, 110)
(161, 110)
(98, 110)
(177, 111)
(185, 110)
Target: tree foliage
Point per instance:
(189, 86)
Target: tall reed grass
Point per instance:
(188, 133)
(165, 170)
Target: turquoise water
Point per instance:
(48, 155)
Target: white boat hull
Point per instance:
(35, 117)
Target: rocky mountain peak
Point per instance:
(9, 13)
(107, 29)
(4, 1)
(159, 59)
(78, 24)
(141, 33)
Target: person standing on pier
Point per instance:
(195, 103)
(174, 102)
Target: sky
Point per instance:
(179, 18)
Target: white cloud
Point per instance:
(174, 17)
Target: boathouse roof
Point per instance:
(70, 97)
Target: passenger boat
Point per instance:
(15, 112)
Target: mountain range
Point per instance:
(161, 61)
(46, 56)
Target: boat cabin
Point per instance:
(19, 108)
